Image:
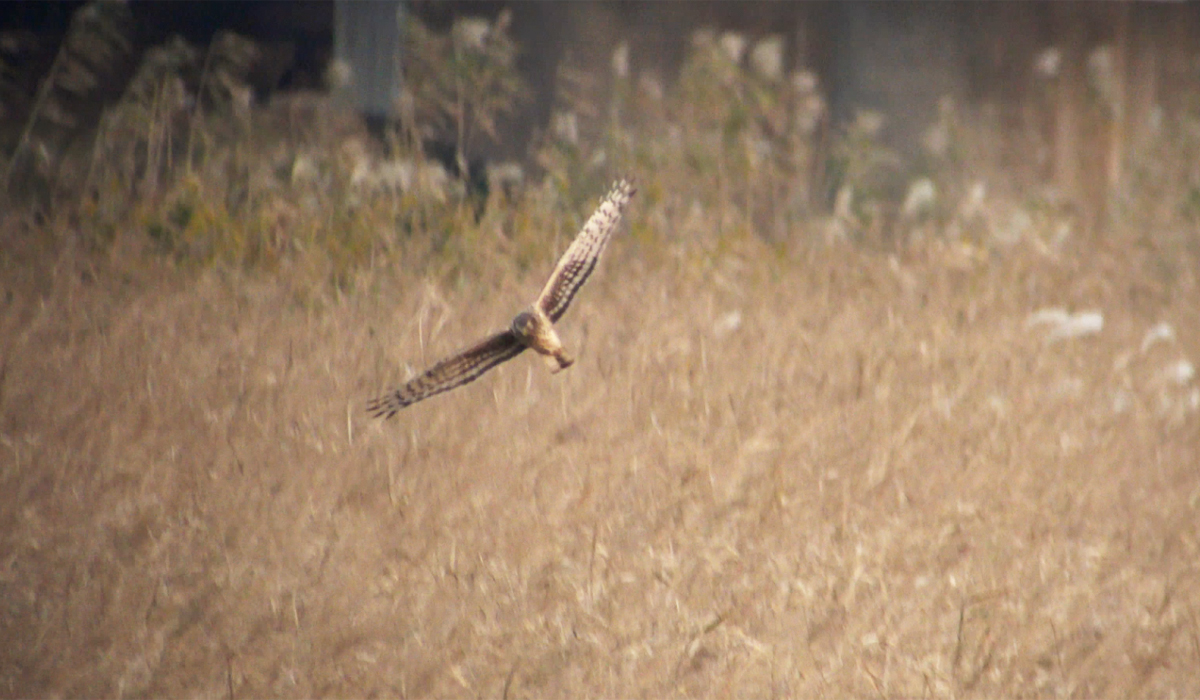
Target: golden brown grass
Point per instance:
(784, 470)
(833, 473)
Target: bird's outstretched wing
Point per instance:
(466, 366)
(581, 257)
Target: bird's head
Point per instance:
(524, 324)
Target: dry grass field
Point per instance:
(830, 473)
(787, 463)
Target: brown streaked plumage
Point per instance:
(532, 328)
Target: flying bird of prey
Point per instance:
(533, 327)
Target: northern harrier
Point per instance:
(533, 327)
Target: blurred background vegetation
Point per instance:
(887, 387)
(249, 132)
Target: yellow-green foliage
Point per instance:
(731, 150)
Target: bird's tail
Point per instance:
(559, 360)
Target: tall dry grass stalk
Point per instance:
(93, 55)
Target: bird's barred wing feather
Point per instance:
(581, 257)
(451, 372)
